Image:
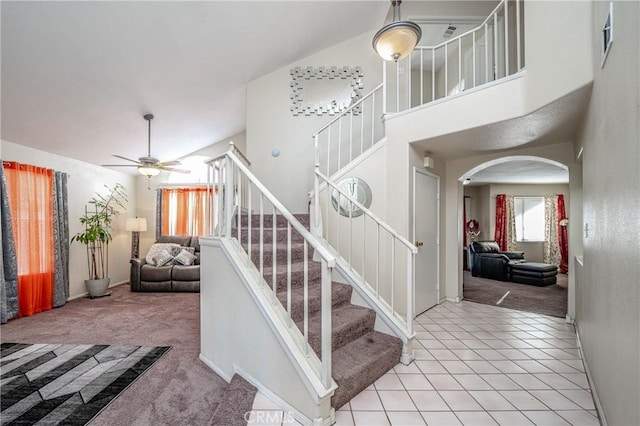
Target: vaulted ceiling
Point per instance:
(77, 77)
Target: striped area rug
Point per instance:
(66, 384)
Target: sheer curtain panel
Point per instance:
(9, 271)
(30, 197)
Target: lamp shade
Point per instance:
(397, 40)
(149, 171)
(136, 224)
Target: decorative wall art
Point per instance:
(356, 188)
(325, 90)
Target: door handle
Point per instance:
(419, 243)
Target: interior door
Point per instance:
(426, 225)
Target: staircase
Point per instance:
(268, 310)
(360, 354)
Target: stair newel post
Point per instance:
(407, 350)
(326, 324)
(384, 88)
(316, 196)
(228, 199)
(316, 148)
(410, 288)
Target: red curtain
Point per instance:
(500, 235)
(464, 221)
(184, 211)
(31, 199)
(563, 239)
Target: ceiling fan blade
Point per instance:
(168, 163)
(170, 169)
(118, 165)
(128, 159)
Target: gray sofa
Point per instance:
(174, 277)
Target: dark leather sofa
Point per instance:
(487, 261)
(174, 277)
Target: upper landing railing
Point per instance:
(491, 51)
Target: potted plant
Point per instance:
(97, 219)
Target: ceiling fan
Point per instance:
(149, 166)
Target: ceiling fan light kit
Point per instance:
(149, 171)
(149, 166)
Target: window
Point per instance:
(529, 218)
(184, 211)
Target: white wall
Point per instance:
(608, 296)
(270, 123)
(84, 181)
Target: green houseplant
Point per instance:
(97, 220)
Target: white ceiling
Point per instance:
(521, 171)
(77, 77)
(554, 123)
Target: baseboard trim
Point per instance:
(282, 403)
(85, 294)
(215, 368)
(453, 299)
(594, 393)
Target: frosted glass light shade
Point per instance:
(148, 171)
(397, 40)
(136, 224)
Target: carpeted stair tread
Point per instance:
(340, 294)
(297, 252)
(348, 322)
(361, 362)
(267, 235)
(303, 218)
(297, 274)
(237, 400)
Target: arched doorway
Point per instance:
(534, 187)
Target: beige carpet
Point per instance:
(177, 389)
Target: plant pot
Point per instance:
(97, 288)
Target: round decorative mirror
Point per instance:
(355, 188)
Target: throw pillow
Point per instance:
(171, 248)
(185, 258)
(163, 258)
(191, 250)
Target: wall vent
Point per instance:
(449, 32)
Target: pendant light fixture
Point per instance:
(396, 40)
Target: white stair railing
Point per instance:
(491, 51)
(374, 255)
(239, 193)
(351, 133)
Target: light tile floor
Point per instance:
(475, 365)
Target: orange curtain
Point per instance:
(30, 197)
(184, 211)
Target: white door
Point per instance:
(426, 225)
